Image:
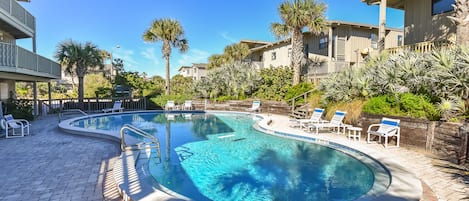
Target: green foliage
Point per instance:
(140, 85)
(298, 90)
(20, 109)
(237, 80)
(406, 104)
(162, 99)
(182, 85)
(274, 83)
(97, 84)
(451, 108)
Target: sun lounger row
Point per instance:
(386, 129)
(170, 105)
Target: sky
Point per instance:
(210, 25)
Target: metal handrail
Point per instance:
(154, 140)
(71, 110)
(305, 96)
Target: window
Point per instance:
(441, 6)
(289, 52)
(399, 40)
(274, 55)
(323, 42)
(374, 40)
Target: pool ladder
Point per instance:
(152, 143)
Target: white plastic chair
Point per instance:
(256, 106)
(170, 105)
(336, 122)
(315, 118)
(12, 124)
(116, 107)
(387, 128)
(187, 105)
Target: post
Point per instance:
(49, 87)
(35, 106)
(329, 50)
(382, 25)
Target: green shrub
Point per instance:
(162, 99)
(298, 90)
(20, 109)
(406, 104)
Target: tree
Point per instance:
(236, 52)
(170, 32)
(78, 58)
(100, 85)
(216, 60)
(296, 15)
(461, 18)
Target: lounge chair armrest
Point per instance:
(373, 125)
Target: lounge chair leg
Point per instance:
(386, 142)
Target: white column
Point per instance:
(329, 49)
(35, 108)
(382, 24)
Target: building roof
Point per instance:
(182, 67)
(254, 43)
(398, 4)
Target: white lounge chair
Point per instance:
(14, 124)
(387, 128)
(170, 105)
(315, 118)
(256, 106)
(117, 107)
(187, 105)
(336, 122)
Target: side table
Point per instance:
(354, 133)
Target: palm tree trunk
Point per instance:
(80, 91)
(168, 90)
(297, 54)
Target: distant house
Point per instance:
(342, 45)
(197, 71)
(425, 21)
(16, 63)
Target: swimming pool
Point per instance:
(219, 156)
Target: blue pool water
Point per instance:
(221, 157)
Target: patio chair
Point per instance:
(315, 118)
(336, 122)
(117, 107)
(387, 128)
(256, 106)
(170, 105)
(12, 124)
(187, 105)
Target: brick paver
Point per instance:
(51, 165)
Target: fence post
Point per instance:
(205, 105)
(89, 106)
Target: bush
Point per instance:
(20, 109)
(162, 99)
(353, 109)
(406, 104)
(298, 90)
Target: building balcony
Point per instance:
(16, 20)
(422, 47)
(19, 63)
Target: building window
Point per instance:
(323, 42)
(289, 52)
(399, 40)
(442, 6)
(274, 55)
(374, 40)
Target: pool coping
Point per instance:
(134, 183)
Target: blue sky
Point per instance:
(210, 25)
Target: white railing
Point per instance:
(14, 9)
(422, 47)
(16, 57)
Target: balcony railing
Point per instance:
(18, 12)
(423, 47)
(19, 60)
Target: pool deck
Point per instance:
(53, 165)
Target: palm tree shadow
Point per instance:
(457, 172)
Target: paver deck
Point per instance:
(52, 165)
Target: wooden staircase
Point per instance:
(302, 112)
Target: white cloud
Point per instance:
(127, 56)
(228, 37)
(149, 53)
(193, 56)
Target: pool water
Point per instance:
(220, 156)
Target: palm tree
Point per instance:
(236, 52)
(461, 18)
(216, 60)
(77, 57)
(296, 15)
(169, 32)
